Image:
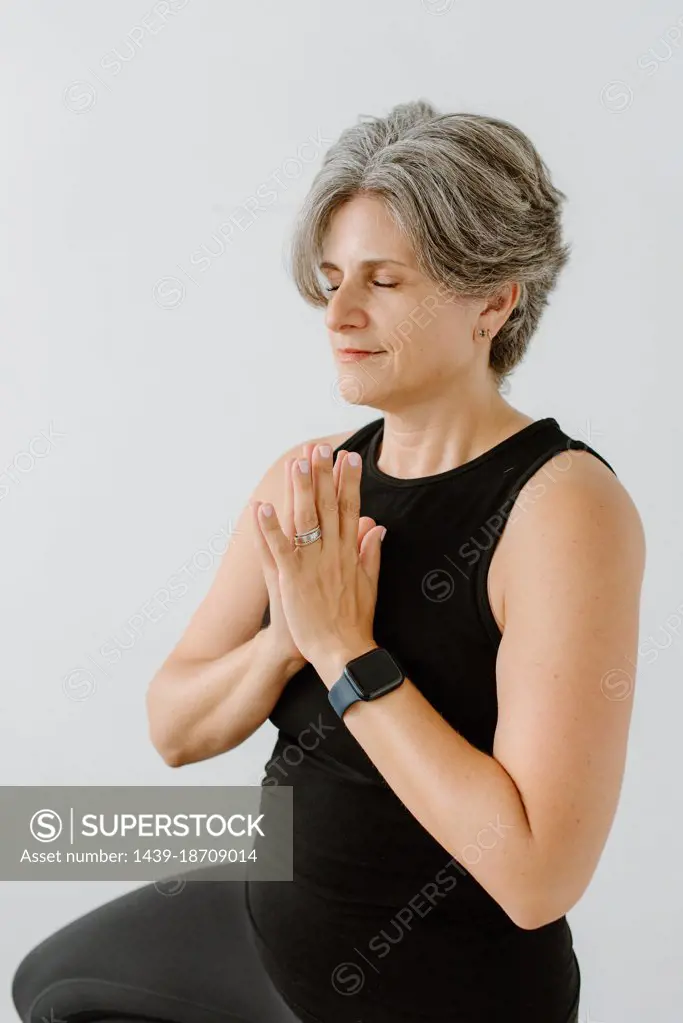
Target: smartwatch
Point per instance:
(365, 678)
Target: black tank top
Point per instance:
(380, 924)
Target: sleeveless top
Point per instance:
(380, 924)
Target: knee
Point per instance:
(38, 971)
(25, 984)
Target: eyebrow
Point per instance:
(366, 262)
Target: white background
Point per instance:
(126, 144)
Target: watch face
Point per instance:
(374, 673)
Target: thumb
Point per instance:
(365, 524)
(268, 563)
(371, 553)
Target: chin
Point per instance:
(361, 383)
(353, 388)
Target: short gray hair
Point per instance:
(470, 193)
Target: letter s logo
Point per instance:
(46, 825)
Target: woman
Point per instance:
(451, 595)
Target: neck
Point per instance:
(427, 438)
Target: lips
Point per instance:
(360, 351)
(355, 354)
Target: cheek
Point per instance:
(421, 345)
(405, 336)
(425, 336)
(432, 354)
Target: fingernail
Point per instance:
(383, 533)
(354, 458)
(325, 450)
(303, 465)
(267, 509)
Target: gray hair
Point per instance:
(471, 195)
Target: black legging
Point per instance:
(187, 957)
(150, 957)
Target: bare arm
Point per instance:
(200, 708)
(530, 821)
(225, 675)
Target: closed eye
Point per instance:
(378, 284)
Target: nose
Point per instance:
(344, 311)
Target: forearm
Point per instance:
(198, 709)
(463, 797)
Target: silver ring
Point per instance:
(302, 539)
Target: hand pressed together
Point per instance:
(326, 591)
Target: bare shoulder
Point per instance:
(335, 440)
(271, 485)
(581, 493)
(573, 514)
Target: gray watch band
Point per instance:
(342, 694)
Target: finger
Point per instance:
(267, 559)
(278, 544)
(305, 511)
(337, 467)
(288, 519)
(288, 515)
(365, 524)
(307, 450)
(348, 501)
(325, 494)
(371, 554)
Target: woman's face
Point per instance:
(380, 302)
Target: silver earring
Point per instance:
(484, 333)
